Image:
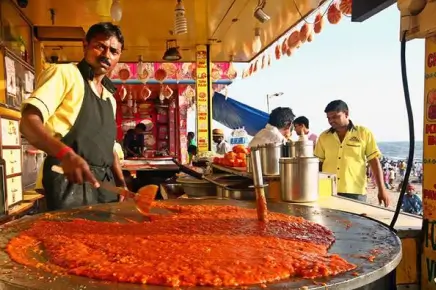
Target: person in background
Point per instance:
(344, 150)
(279, 125)
(392, 176)
(192, 151)
(222, 147)
(77, 102)
(411, 201)
(119, 150)
(301, 127)
(133, 141)
(191, 144)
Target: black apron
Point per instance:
(92, 137)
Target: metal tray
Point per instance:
(355, 235)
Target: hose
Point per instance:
(411, 131)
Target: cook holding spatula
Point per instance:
(76, 102)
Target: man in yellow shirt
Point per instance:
(344, 150)
(76, 103)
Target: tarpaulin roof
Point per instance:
(234, 114)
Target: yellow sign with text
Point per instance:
(428, 259)
(202, 99)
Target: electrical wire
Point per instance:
(411, 131)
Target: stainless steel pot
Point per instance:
(269, 157)
(299, 181)
(288, 149)
(226, 181)
(303, 147)
(240, 191)
(248, 162)
(195, 187)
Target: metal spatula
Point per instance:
(143, 200)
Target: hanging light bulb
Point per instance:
(257, 43)
(314, 4)
(116, 10)
(180, 22)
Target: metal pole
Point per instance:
(267, 103)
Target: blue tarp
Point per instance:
(234, 114)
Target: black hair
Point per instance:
(106, 28)
(192, 149)
(130, 132)
(336, 106)
(281, 117)
(302, 121)
(141, 126)
(191, 134)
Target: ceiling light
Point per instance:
(180, 22)
(257, 43)
(259, 14)
(172, 53)
(116, 10)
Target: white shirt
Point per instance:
(267, 135)
(223, 147)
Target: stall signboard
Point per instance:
(202, 94)
(428, 260)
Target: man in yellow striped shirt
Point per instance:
(345, 149)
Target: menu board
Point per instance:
(19, 81)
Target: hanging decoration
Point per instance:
(277, 52)
(143, 74)
(284, 47)
(231, 72)
(319, 23)
(304, 32)
(160, 75)
(167, 92)
(334, 15)
(294, 41)
(346, 7)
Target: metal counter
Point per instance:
(355, 235)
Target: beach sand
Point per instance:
(372, 193)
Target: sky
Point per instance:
(356, 62)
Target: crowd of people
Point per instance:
(393, 173)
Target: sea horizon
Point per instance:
(399, 150)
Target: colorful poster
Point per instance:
(202, 100)
(428, 259)
(174, 71)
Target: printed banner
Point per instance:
(202, 100)
(428, 260)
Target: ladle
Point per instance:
(143, 199)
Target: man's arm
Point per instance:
(118, 172)
(32, 128)
(372, 155)
(52, 86)
(50, 91)
(319, 152)
(377, 171)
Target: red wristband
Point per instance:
(64, 151)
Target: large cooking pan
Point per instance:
(352, 243)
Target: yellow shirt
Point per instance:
(347, 159)
(59, 96)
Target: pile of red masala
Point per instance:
(197, 245)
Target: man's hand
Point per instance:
(383, 197)
(77, 170)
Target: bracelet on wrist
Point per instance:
(64, 151)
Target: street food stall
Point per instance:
(211, 239)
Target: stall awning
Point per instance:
(234, 114)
